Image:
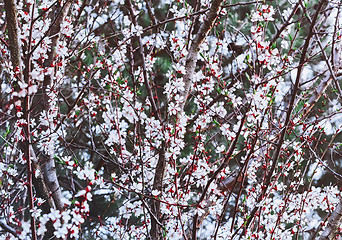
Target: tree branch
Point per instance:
(9, 229)
(14, 46)
(302, 61)
(12, 26)
(48, 166)
(191, 59)
(333, 224)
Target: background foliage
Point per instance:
(170, 119)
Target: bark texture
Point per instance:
(12, 28)
(191, 59)
(333, 224)
(48, 163)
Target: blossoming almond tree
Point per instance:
(170, 119)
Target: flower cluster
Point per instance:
(168, 119)
(264, 13)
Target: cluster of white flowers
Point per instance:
(66, 223)
(47, 132)
(268, 56)
(263, 14)
(117, 126)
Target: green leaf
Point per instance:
(60, 161)
(248, 217)
(216, 123)
(108, 87)
(8, 130)
(248, 77)
(218, 90)
(290, 37)
(164, 232)
(272, 101)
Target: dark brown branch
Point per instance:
(48, 166)
(216, 99)
(330, 67)
(9, 229)
(287, 23)
(45, 11)
(302, 61)
(219, 169)
(143, 65)
(14, 46)
(54, 25)
(12, 27)
(160, 168)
